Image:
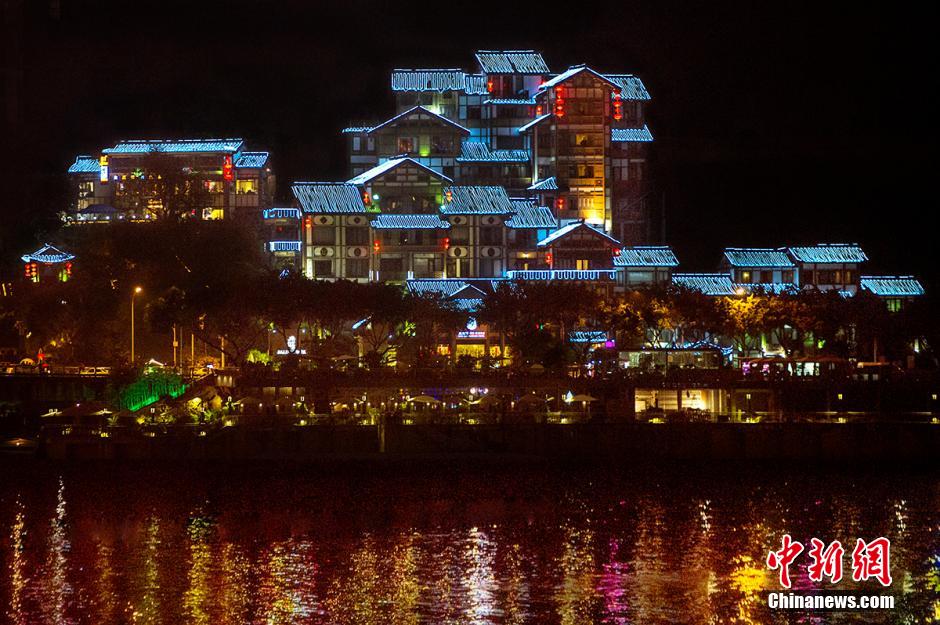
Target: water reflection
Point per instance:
(547, 548)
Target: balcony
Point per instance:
(284, 246)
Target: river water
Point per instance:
(462, 544)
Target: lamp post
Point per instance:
(134, 294)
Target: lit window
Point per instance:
(406, 145)
(249, 185)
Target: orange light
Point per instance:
(616, 251)
(228, 171)
(446, 243)
(549, 258)
(376, 246)
(366, 198)
(538, 110)
(560, 203)
(450, 195)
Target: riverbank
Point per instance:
(602, 442)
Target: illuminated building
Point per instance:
(476, 168)
(132, 180)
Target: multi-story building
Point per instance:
(143, 180)
(574, 143)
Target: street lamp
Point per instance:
(134, 294)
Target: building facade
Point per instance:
(190, 178)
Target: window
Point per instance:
(357, 236)
(809, 276)
(249, 185)
(766, 277)
(323, 268)
(357, 268)
(490, 268)
(894, 305)
(459, 235)
(390, 268)
(582, 264)
(86, 188)
(406, 145)
(473, 112)
(324, 235)
(356, 144)
(787, 276)
(491, 235)
(744, 277)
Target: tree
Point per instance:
(166, 190)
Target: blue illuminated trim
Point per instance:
(631, 135)
(281, 213)
(48, 254)
(139, 146)
(592, 275)
(283, 246)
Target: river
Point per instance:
(463, 543)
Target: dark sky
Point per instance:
(775, 123)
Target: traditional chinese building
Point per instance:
(189, 178)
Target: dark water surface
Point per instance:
(394, 543)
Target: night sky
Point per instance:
(775, 123)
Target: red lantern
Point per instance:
(27, 271)
(560, 203)
(618, 107)
(616, 251)
(366, 198)
(450, 195)
(376, 246)
(446, 243)
(548, 259)
(228, 170)
(68, 268)
(489, 85)
(308, 221)
(538, 110)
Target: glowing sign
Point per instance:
(103, 169)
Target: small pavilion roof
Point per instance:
(573, 227)
(48, 254)
(646, 256)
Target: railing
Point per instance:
(563, 274)
(283, 246)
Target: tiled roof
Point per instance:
(251, 160)
(445, 286)
(587, 336)
(137, 146)
(892, 286)
(528, 215)
(427, 80)
(566, 230)
(84, 165)
(511, 62)
(47, 254)
(476, 200)
(548, 184)
(707, 283)
(646, 256)
(631, 135)
(356, 129)
(281, 213)
(509, 101)
(328, 197)
(534, 122)
(829, 253)
(757, 257)
(475, 84)
(467, 304)
(391, 221)
(571, 73)
(476, 151)
(419, 110)
(390, 164)
(631, 87)
(775, 288)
